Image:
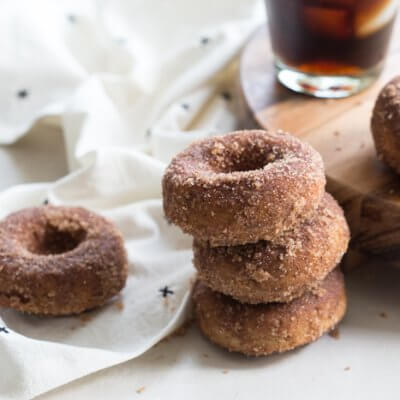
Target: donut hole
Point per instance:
(56, 240)
(253, 163)
(251, 159)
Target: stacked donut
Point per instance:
(267, 239)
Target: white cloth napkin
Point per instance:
(134, 82)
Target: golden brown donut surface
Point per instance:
(281, 270)
(59, 260)
(243, 187)
(385, 124)
(263, 329)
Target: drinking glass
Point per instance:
(330, 48)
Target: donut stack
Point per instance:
(267, 239)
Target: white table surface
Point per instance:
(363, 363)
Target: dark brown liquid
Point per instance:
(328, 36)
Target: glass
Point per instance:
(330, 48)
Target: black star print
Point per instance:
(71, 18)
(45, 202)
(185, 106)
(204, 40)
(166, 291)
(22, 93)
(227, 96)
(3, 329)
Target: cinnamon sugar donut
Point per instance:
(243, 187)
(59, 260)
(281, 270)
(385, 124)
(263, 329)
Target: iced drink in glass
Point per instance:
(330, 48)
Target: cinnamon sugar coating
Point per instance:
(385, 124)
(263, 329)
(283, 269)
(59, 260)
(243, 187)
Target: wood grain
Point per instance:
(340, 130)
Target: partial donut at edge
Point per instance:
(385, 124)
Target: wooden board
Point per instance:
(340, 130)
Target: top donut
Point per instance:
(243, 187)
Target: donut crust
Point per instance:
(243, 187)
(263, 329)
(385, 124)
(59, 260)
(281, 270)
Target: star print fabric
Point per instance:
(132, 83)
(123, 66)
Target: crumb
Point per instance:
(225, 371)
(159, 357)
(338, 149)
(347, 368)
(180, 331)
(383, 315)
(119, 305)
(140, 390)
(335, 333)
(336, 133)
(226, 95)
(85, 317)
(205, 355)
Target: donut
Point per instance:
(243, 187)
(59, 260)
(281, 270)
(262, 329)
(385, 124)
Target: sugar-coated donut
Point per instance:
(385, 124)
(243, 187)
(263, 329)
(281, 270)
(59, 260)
